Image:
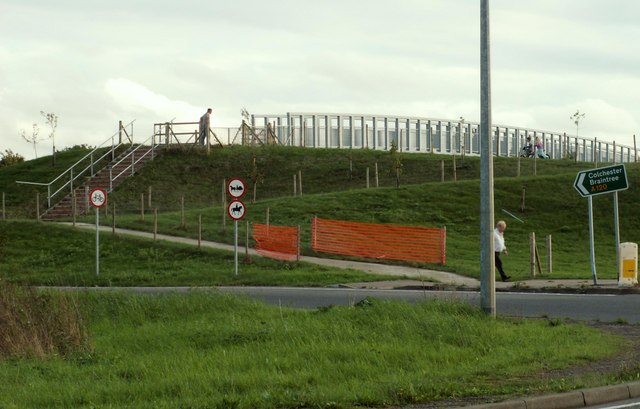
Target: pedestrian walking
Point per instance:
(205, 124)
(499, 247)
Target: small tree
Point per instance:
(52, 121)
(33, 138)
(256, 176)
(10, 158)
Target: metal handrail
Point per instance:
(132, 157)
(70, 171)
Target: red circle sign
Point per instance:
(236, 188)
(98, 197)
(236, 209)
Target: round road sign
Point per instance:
(98, 197)
(236, 188)
(236, 209)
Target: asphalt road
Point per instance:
(602, 307)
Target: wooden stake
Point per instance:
(376, 171)
(224, 214)
(532, 255)
(518, 171)
(455, 177)
(442, 170)
(538, 259)
(549, 257)
(182, 223)
(295, 186)
(367, 177)
(73, 207)
(298, 244)
(149, 202)
(300, 182)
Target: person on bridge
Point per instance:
(540, 149)
(205, 124)
(499, 247)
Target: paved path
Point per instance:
(408, 277)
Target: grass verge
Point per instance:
(208, 350)
(49, 254)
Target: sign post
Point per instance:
(598, 181)
(236, 210)
(98, 198)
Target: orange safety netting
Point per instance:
(381, 241)
(279, 242)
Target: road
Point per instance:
(602, 307)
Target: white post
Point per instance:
(97, 241)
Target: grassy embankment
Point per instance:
(332, 190)
(208, 350)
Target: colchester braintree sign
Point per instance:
(601, 180)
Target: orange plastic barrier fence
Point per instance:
(381, 241)
(279, 242)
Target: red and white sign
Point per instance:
(236, 209)
(236, 188)
(98, 197)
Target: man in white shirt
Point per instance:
(499, 247)
(205, 124)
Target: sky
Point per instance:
(93, 63)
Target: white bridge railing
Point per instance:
(412, 134)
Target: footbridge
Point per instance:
(417, 134)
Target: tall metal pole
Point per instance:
(616, 225)
(591, 243)
(97, 241)
(487, 262)
(235, 248)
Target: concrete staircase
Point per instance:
(107, 178)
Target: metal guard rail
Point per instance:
(90, 166)
(132, 157)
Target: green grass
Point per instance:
(207, 350)
(44, 254)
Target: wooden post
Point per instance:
(247, 259)
(199, 229)
(522, 206)
(367, 177)
(538, 259)
(532, 254)
(182, 223)
(295, 186)
(149, 201)
(224, 214)
(267, 219)
(113, 218)
(442, 170)
(376, 171)
(455, 176)
(224, 192)
(38, 206)
(549, 256)
(298, 244)
(155, 223)
(518, 170)
(73, 207)
(300, 182)
(142, 207)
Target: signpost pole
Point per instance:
(235, 248)
(617, 231)
(97, 241)
(591, 243)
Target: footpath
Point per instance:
(411, 277)
(425, 279)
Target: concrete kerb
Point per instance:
(570, 400)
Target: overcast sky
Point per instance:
(96, 62)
